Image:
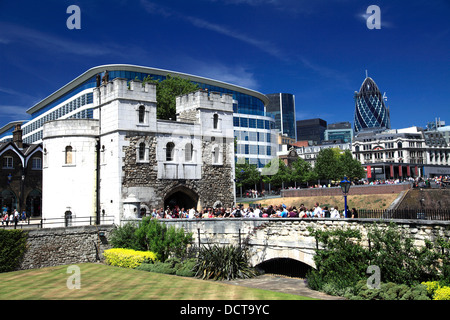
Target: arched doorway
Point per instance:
(8, 199)
(34, 202)
(181, 197)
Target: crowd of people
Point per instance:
(271, 211)
(12, 217)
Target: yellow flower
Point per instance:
(127, 258)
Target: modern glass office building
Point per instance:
(370, 109)
(253, 127)
(282, 107)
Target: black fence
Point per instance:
(411, 214)
(73, 221)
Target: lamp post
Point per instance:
(345, 187)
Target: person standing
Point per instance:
(354, 213)
(15, 217)
(335, 213)
(318, 211)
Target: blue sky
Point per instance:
(317, 50)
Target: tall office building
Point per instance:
(370, 109)
(312, 130)
(341, 131)
(282, 107)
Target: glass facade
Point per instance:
(282, 107)
(370, 110)
(252, 125)
(311, 130)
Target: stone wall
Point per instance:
(60, 246)
(215, 182)
(290, 238)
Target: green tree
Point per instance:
(327, 165)
(350, 167)
(166, 92)
(246, 174)
(282, 174)
(301, 171)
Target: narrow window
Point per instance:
(216, 121)
(141, 114)
(36, 163)
(141, 151)
(216, 155)
(170, 147)
(8, 162)
(69, 158)
(188, 151)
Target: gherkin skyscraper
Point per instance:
(370, 109)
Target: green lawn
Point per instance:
(103, 282)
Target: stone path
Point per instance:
(282, 284)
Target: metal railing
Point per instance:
(408, 214)
(73, 221)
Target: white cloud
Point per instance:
(263, 45)
(236, 74)
(16, 111)
(10, 33)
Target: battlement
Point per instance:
(205, 100)
(120, 88)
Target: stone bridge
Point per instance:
(271, 238)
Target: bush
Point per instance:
(442, 293)
(125, 237)
(13, 244)
(152, 235)
(399, 260)
(187, 268)
(340, 263)
(171, 266)
(127, 258)
(165, 242)
(436, 291)
(158, 267)
(387, 291)
(431, 286)
(223, 263)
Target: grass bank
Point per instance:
(103, 282)
(369, 202)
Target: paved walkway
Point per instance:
(283, 284)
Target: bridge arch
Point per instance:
(260, 255)
(284, 266)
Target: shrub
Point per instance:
(158, 267)
(152, 235)
(442, 293)
(431, 286)
(13, 244)
(125, 237)
(399, 260)
(223, 263)
(127, 258)
(387, 291)
(165, 242)
(341, 261)
(186, 268)
(171, 266)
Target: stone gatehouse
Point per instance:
(128, 162)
